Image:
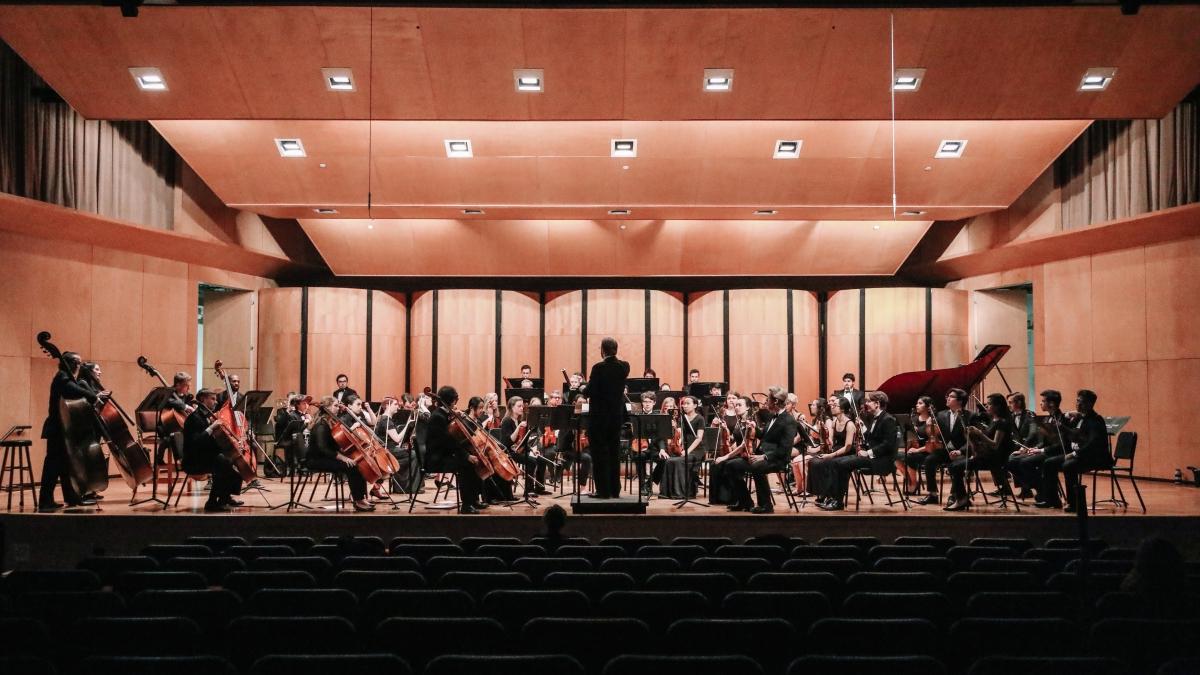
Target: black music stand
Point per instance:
(688, 464)
(515, 382)
(148, 412)
(659, 396)
(294, 427)
(700, 389)
(637, 385)
(526, 394)
(253, 406)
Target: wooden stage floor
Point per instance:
(33, 539)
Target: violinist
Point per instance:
(446, 453)
(988, 449)
(814, 442)
(291, 425)
(877, 450)
(519, 439)
(678, 475)
(1034, 447)
(719, 491)
(952, 426)
(1087, 450)
(842, 439)
(201, 454)
(56, 465)
(924, 425)
(325, 455)
(547, 439)
(775, 448)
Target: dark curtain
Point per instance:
(48, 152)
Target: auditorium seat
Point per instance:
(941, 544)
(26, 665)
(23, 635)
(866, 665)
(566, 541)
(28, 581)
(537, 568)
(630, 544)
(770, 642)
(164, 552)
(973, 638)
(659, 609)
(964, 556)
(1094, 584)
(740, 568)
(479, 583)
(1118, 605)
(510, 552)
(363, 582)
(594, 554)
(195, 664)
(438, 565)
(1117, 553)
(938, 566)
(301, 545)
(471, 544)
(1144, 644)
(961, 585)
(1101, 566)
(210, 608)
(842, 568)
(423, 552)
(325, 664)
(134, 636)
(379, 563)
(1018, 544)
(828, 551)
(887, 637)
(593, 641)
(213, 568)
(1057, 557)
(594, 584)
(684, 553)
(132, 583)
(787, 543)
(709, 544)
(820, 582)
(252, 637)
(1058, 665)
(893, 582)
(246, 583)
(420, 639)
(356, 545)
(216, 544)
(429, 603)
(1040, 569)
(1184, 666)
(505, 664)
(1022, 604)
(514, 607)
(303, 602)
(772, 554)
(799, 608)
(900, 551)
(863, 544)
(249, 553)
(641, 568)
(712, 585)
(934, 607)
(320, 568)
(58, 608)
(411, 540)
(1093, 545)
(110, 567)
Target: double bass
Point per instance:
(82, 435)
(239, 453)
(133, 462)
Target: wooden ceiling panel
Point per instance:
(399, 70)
(579, 50)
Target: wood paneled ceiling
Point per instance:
(631, 64)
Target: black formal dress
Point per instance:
(606, 412)
(533, 468)
(201, 455)
(1088, 439)
(822, 477)
(776, 448)
(56, 465)
(991, 459)
(719, 491)
(677, 476)
(445, 453)
(405, 476)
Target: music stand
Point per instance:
(667, 393)
(149, 412)
(515, 382)
(700, 389)
(637, 385)
(655, 429)
(526, 394)
(294, 427)
(253, 406)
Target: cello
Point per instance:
(87, 461)
(234, 422)
(491, 458)
(170, 421)
(353, 446)
(384, 459)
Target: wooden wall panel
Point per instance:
(169, 301)
(757, 339)
(706, 335)
(1124, 389)
(951, 327)
(1118, 300)
(843, 330)
(1000, 317)
(467, 340)
(387, 344)
(806, 350)
(337, 338)
(1173, 300)
(421, 359)
(564, 321)
(1173, 420)
(666, 337)
(279, 340)
(116, 279)
(895, 333)
(621, 315)
(520, 336)
(1067, 293)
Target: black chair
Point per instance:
(514, 607)
(1018, 544)
(770, 642)
(889, 637)
(1145, 644)
(592, 641)
(630, 544)
(379, 563)
(26, 665)
(963, 585)
(641, 568)
(900, 551)
(301, 545)
(1058, 665)
(357, 545)
(799, 608)
(659, 609)
(210, 608)
(1119, 605)
(510, 552)
(819, 582)
(934, 607)
(939, 567)
(972, 638)
(196, 664)
(438, 565)
(842, 568)
(713, 585)
(709, 544)
(59, 608)
(1180, 667)
(1040, 569)
(253, 637)
(772, 554)
(1093, 585)
(303, 602)
(1022, 605)
(942, 544)
(685, 554)
(593, 584)
(829, 551)
(505, 664)
(1095, 546)
(164, 552)
(421, 639)
(479, 584)
(1057, 557)
(863, 544)
(426, 603)
(28, 581)
(213, 568)
(132, 583)
(364, 582)
(411, 540)
(593, 554)
(216, 544)
(423, 552)
(111, 566)
(471, 544)
(1123, 453)
(964, 556)
(566, 541)
(866, 665)
(1101, 566)
(248, 553)
(732, 664)
(324, 664)
(155, 636)
(1117, 553)
(788, 543)
(893, 582)
(741, 568)
(320, 568)
(246, 583)
(24, 636)
(537, 568)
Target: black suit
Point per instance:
(775, 448)
(323, 454)
(1088, 437)
(56, 464)
(880, 444)
(202, 455)
(955, 438)
(606, 413)
(342, 394)
(855, 394)
(445, 453)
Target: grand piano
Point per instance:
(904, 389)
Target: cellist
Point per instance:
(55, 466)
(325, 455)
(446, 453)
(202, 455)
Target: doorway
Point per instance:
(1005, 316)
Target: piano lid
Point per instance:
(904, 389)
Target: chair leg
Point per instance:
(1133, 481)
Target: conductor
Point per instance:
(605, 390)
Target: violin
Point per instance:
(745, 448)
(675, 442)
(723, 441)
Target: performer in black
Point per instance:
(201, 454)
(988, 449)
(878, 450)
(1088, 438)
(290, 424)
(605, 390)
(343, 390)
(851, 397)
(325, 455)
(55, 467)
(775, 450)
(1025, 463)
(445, 453)
(234, 393)
(952, 424)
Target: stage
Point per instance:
(116, 528)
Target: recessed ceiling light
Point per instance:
(290, 147)
(370, 226)
(874, 227)
(912, 213)
(624, 147)
(618, 212)
(950, 149)
(528, 79)
(908, 79)
(622, 226)
(149, 79)
(718, 79)
(472, 212)
(765, 212)
(458, 148)
(787, 149)
(325, 212)
(1097, 79)
(338, 79)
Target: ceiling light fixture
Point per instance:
(149, 79)
(472, 212)
(908, 79)
(623, 147)
(765, 212)
(528, 80)
(1097, 79)
(325, 212)
(874, 227)
(912, 213)
(618, 212)
(787, 149)
(457, 148)
(338, 79)
(290, 147)
(370, 226)
(718, 79)
(950, 149)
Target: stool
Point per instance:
(15, 466)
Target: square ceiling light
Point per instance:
(619, 212)
(458, 148)
(623, 147)
(950, 149)
(908, 79)
(290, 147)
(718, 79)
(1097, 79)
(764, 212)
(787, 149)
(472, 212)
(338, 79)
(912, 213)
(529, 80)
(149, 79)
(325, 212)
